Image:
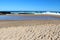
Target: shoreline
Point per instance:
(32, 15)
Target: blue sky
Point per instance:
(32, 5)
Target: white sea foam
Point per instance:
(51, 13)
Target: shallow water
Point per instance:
(28, 18)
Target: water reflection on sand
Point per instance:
(4, 17)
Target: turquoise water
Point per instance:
(28, 18)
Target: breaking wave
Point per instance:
(52, 13)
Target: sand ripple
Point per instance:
(36, 32)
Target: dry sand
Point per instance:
(30, 30)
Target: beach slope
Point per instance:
(30, 30)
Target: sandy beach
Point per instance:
(30, 30)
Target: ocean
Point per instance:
(5, 17)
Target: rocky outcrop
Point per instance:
(4, 13)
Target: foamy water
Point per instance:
(52, 13)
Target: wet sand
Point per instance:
(11, 23)
(29, 17)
